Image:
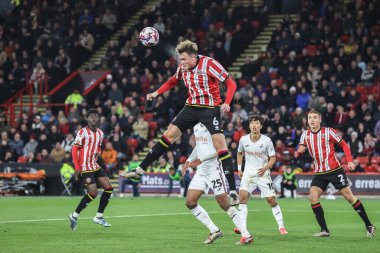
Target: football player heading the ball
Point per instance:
(202, 75)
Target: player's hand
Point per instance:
(225, 107)
(261, 172)
(300, 150)
(351, 166)
(234, 198)
(152, 95)
(76, 174)
(240, 173)
(184, 168)
(195, 163)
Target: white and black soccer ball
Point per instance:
(149, 37)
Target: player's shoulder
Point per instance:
(100, 131)
(244, 138)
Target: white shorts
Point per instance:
(216, 181)
(264, 183)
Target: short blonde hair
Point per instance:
(315, 112)
(187, 46)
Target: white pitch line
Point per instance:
(159, 214)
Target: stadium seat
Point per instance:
(255, 25)
(363, 160)
(362, 90)
(243, 83)
(311, 50)
(345, 38)
(152, 129)
(132, 145)
(218, 25)
(148, 116)
(375, 160)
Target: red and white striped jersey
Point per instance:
(203, 81)
(90, 146)
(321, 148)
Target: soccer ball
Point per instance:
(149, 37)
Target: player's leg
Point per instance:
(265, 185)
(359, 208)
(184, 120)
(212, 121)
(104, 182)
(194, 193)
(92, 192)
(277, 214)
(315, 194)
(243, 208)
(234, 214)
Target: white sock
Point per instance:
(181, 191)
(203, 217)
(75, 214)
(99, 215)
(235, 216)
(278, 216)
(243, 212)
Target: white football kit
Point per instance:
(257, 155)
(209, 173)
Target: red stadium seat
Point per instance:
(362, 90)
(363, 160)
(311, 50)
(345, 38)
(132, 145)
(243, 83)
(273, 75)
(152, 129)
(218, 25)
(375, 160)
(148, 116)
(255, 25)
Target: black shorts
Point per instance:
(189, 116)
(337, 177)
(91, 176)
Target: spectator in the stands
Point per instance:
(109, 156)
(57, 153)
(74, 98)
(355, 144)
(31, 145)
(17, 144)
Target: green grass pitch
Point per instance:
(147, 224)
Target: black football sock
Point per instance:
(359, 208)
(225, 158)
(84, 202)
(104, 199)
(319, 214)
(155, 152)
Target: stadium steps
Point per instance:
(256, 3)
(258, 45)
(25, 102)
(97, 57)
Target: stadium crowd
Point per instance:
(327, 58)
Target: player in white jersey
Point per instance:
(259, 156)
(210, 175)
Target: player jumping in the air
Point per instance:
(320, 142)
(201, 75)
(85, 152)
